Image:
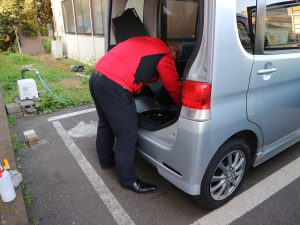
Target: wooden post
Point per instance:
(18, 41)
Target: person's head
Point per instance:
(175, 48)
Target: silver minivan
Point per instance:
(240, 67)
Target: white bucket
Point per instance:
(7, 190)
(27, 89)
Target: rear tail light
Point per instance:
(196, 95)
(196, 98)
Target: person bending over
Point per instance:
(118, 75)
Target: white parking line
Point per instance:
(252, 197)
(117, 211)
(54, 118)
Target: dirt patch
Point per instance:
(71, 83)
(46, 59)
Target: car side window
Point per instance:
(245, 30)
(282, 25)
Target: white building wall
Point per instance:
(99, 47)
(71, 45)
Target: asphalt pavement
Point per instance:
(69, 187)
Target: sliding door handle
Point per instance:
(267, 71)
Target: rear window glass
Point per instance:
(178, 19)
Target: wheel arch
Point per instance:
(250, 137)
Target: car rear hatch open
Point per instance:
(177, 20)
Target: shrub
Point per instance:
(47, 44)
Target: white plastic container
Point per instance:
(27, 89)
(7, 190)
(56, 49)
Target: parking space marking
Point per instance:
(117, 211)
(54, 118)
(252, 197)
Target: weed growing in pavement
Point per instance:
(18, 163)
(11, 121)
(17, 145)
(34, 222)
(28, 197)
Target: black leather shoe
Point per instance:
(141, 187)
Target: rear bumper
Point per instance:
(180, 153)
(171, 176)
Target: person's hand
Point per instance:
(173, 51)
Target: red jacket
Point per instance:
(141, 60)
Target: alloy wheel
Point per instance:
(227, 175)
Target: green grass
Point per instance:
(10, 72)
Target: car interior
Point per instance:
(176, 21)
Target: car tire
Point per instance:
(225, 173)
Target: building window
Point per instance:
(97, 16)
(68, 15)
(83, 19)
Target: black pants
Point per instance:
(117, 121)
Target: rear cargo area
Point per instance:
(155, 108)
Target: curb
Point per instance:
(12, 213)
